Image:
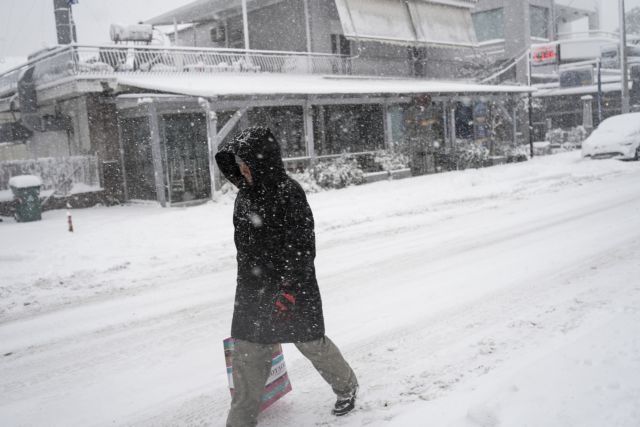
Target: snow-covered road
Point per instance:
(506, 296)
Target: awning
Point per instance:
(386, 20)
(443, 24)
(416, 22)
(273, 84)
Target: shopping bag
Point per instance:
(278, 382)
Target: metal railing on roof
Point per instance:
(108, 61)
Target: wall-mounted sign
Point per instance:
(577, 77)
(545, 54)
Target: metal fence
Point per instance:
(60, 174)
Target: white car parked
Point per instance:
(616, 137)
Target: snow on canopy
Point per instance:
(25, 181)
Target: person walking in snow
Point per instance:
(277, 296)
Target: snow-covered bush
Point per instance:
(307, 180)
(391, 160)
(519, 153)
(556, 137)
(567, 140)
(575, 137)
(339, 172)
(465, 155)
(471, 155)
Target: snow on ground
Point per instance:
(506, 296)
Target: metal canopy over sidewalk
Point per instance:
(269, 84)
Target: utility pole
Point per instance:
(599, 91)
(245, 24)
(623, 60)
(530, 101)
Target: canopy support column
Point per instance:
(388, 126)
(156, 153)
(215, 138)
(309, 132)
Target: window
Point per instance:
(489, 25)
(340, 45)
(348, 128)
(287, 124)
(539, 22)
(235, 33)
(219, 35)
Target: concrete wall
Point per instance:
(324, 21)
(103, 124)
(279, 27)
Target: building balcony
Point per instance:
(104, 63)
(97, 66)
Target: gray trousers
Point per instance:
(252, 365)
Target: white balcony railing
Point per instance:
(108, 61)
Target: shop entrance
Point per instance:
(138, 161)
(186, 156)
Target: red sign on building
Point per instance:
(545, 54)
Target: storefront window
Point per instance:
(186, 153)
(464, 121)
(425, 124)
(348, 128)
(287, 125)
(539, 19)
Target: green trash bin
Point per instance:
(26, 194)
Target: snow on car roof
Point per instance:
(622, 124)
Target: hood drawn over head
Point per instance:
(258, 148)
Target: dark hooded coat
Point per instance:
(275, 242)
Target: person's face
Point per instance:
(246, 172)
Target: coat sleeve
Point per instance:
(300, 241)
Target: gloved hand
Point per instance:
(285, 303)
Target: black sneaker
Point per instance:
(345, 403)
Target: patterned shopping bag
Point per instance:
(278, 382)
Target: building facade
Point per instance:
(331, 77)
(506, 29)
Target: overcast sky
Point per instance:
(28, 25)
